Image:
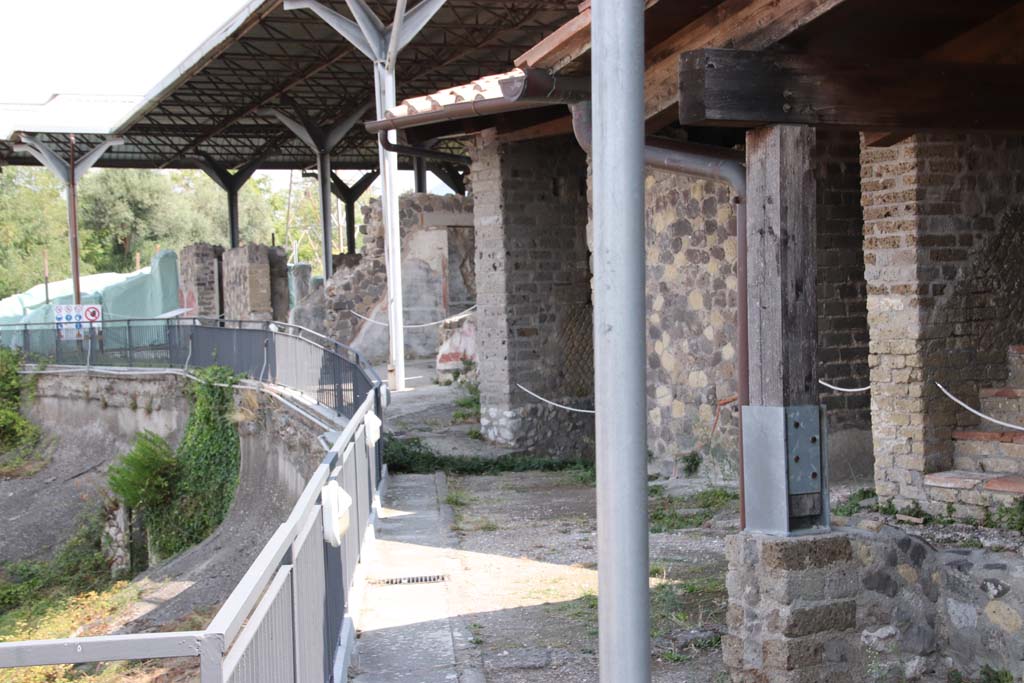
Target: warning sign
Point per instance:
(74, 320)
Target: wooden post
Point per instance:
(781, 229)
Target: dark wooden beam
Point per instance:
(997, 41)
(740, 88)
(781, 266)
(740, 24)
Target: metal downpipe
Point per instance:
(716, 164)
(620, 360)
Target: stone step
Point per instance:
(1003, 404)
(972, 492)
(1015, 363)
(988, 451)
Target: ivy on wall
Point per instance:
(184, 496)
(15, 430)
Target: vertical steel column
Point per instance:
(419, 168)
(620, 363)
(73, 223)
(233, 229)
(323, 174)
(384, 80)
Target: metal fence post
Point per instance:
(25, 341)
(211, 658)
(131, 354)
(167, 336)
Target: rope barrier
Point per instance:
(954, 399)
(458, 316)
(557, 405)
(845, 391)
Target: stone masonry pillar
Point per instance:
(200, 279)
(533, 290)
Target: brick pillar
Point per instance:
(533, 289)
(934, 207)
(247, 283)
(199, 279)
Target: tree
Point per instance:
(33, 220)
(120, 212)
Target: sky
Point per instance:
(117, 48)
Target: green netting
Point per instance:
(146, 293)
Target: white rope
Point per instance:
(847, 391)
(954, 399)
(244, 384)
(557, 405)
(458, 316)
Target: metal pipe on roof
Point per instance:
(420, 152)
(714, 163)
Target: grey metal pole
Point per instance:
(76, 283)
(323, 173)
(233, 228)
(617, 37)
(384, 80)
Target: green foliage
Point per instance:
(691, 463)
(1009, 517)
(987, 675)
(412, 456)
(852, 504)
(670, 513)
(77, 567)
(183, 498)
(887, 507)
(468, 406)
(146, 476)
(15, 431)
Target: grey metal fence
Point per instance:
(287, 619)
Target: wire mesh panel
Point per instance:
(311, 635)
(265, 650)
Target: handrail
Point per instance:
(230, 617)
(275, 574)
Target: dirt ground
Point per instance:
(527, 596)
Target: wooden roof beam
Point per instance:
(997, 41)
(750, 89)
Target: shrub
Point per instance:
(146, 476)
(15, 430)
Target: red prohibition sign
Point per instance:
(92, 314)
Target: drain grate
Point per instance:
(406, 580)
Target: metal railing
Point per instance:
(287, 619)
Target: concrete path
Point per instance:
(406, 631)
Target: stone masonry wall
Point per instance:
(942, 252)
(691, 309)
(533, 291)
(869, 603)
(359, 282)
(199, 279)
(247, 283)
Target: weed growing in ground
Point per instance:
(457, 498)
(413, 456)
(988, 675)
(852, 505)
(475, 434)
(670, 513)
(468, 406)
(77, 567)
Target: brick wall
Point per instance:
(533, 290)
(942, 254)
